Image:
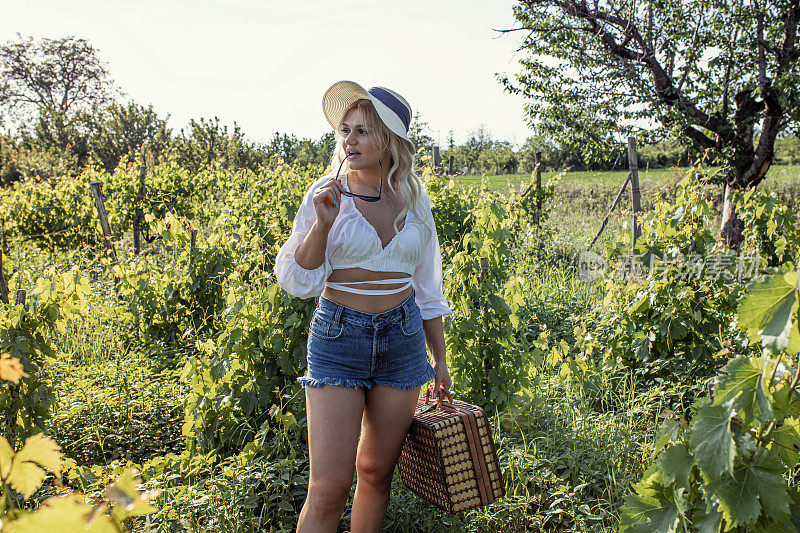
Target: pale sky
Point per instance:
(266, 63)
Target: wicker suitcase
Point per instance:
(449, 458)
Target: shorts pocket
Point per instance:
(412, 325)
(324, 328)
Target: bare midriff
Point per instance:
(359, 278)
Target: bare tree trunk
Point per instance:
(732, 226)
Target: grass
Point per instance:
(583, 178)
(778, 176)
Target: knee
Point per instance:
(328, 497)
(374, 473)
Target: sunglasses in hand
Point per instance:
(364, 197)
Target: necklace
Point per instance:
(375, 189)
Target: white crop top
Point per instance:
(354, 243)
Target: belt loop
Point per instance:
(337, 315)
(404, 311)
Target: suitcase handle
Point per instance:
(439, 397)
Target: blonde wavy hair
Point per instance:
(401, 177)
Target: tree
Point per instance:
(478, 141)
(711, 71)
(57, 76)
(418, 133)
(123, 129)
(499, 159)
(551, 156)
(315, 152)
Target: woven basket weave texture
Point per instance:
(449, 458)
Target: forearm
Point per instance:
(434, 337)
(311, 252)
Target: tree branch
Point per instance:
(699, 137)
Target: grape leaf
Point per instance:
(657, 515)
(43, 451)
(65, 515)
(706, 521)
(676, 463)
(26, 474)
(768, 308)
(794, 339)
(710, 439)
(741, 381)
(669, 433)
(794, 509)
(11, 369)
(753, 486)
(780, 402)
(26, 478)
(787, 441)
(6, 457)
(776, 333)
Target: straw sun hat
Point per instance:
(393, 109)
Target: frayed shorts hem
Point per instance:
(307, 381)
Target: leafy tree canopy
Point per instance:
(715, 72)
(51, 75)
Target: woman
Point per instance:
(364, 239)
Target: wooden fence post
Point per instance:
(139, 214)
(101, 211)
(437, 160)
(11, 416)
(633, 164)
(3, 284)
(487, 365)
(539, 181)
(450, 165)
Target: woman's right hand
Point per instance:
(327, 200)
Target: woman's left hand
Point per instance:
(442, 378)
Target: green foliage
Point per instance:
(729, 469)
(787, 150)
(770, 226)
(26, 333)
(451, 206)
(185, 294)
(667, 323)
(489, 363)
(25, 470)
(60, 213)
(126, 405)
(248, 369)
(264, 205)
(124, 129)
(207, 143)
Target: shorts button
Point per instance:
(374, 319)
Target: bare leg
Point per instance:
(334, 419)
(387, 417)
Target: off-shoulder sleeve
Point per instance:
(427, 278)
(293, 278)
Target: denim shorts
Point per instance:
(351, 348)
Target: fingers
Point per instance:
(330, 193)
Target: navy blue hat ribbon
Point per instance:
(392, 103)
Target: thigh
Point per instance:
(334, 417)
(387, 416)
